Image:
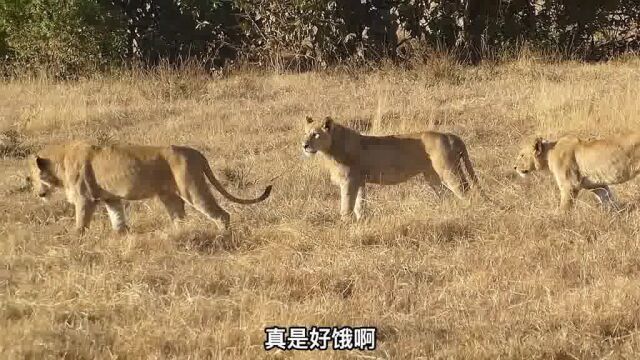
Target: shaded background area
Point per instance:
(69, 37)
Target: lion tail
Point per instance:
(216, 184)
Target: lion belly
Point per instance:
(133, 179)
(616, 168)
(389, 177)
(389, 164)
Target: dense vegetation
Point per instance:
(70, 36)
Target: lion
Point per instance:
(353, 160)
(589, 164)
(109, 174)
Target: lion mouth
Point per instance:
(523, 173)
(309, 151)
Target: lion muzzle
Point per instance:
(307, 149)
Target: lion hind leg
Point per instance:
(605, 197)
(174, 206)
(453, 179)
(449, 169)
(205, 203)
(466, 162)
(462, 179)
(193, 189)
(453, 182)
(434, 181)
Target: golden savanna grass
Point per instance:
(439, 278)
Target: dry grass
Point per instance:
(439, 279)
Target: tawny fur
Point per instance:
(353, 160)
(109, 174)
(576, 164)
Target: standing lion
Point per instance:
(353, 160)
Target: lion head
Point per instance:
(530, 157)
(317, 136)
(43, 176)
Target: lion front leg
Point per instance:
(116, 216)
(348, 196)
(569, 186)
(567, 198)
(84, 211)
(359, 208)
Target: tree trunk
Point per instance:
(530, 19)
(474, 22)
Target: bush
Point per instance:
(63, 37)
(69, 37)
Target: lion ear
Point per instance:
(328, 123)
(309, 119)
(43, 164)
(539, 146)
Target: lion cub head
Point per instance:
(530, 157)
(317, 136)
(43, 176)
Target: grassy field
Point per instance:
(438, 278)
